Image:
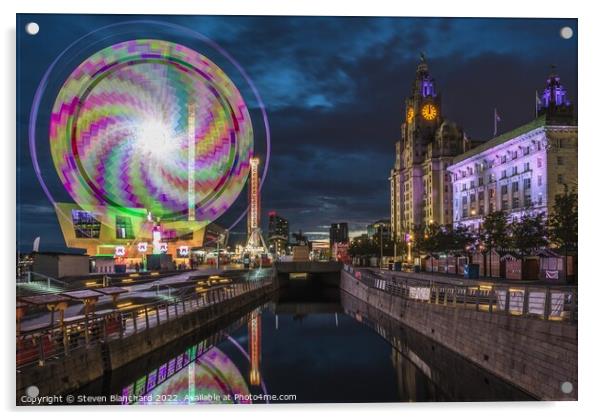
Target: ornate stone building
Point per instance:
(523, 169)
(421, 188)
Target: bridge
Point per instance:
(324, 272)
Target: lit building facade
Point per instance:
(278, 234)
(130, 239)
(420, 185)
(521, 170)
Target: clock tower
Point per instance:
(420, 188)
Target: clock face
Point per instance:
(410, 114)
(429, 112)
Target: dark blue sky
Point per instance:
(333, 88)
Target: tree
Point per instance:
(494, 233)
(528, 233)
(562, 223)
(461, 239)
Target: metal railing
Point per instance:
(56, 341)
(546, 302)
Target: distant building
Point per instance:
(278, 234)
(523, 169)
(60, 264)
(420, 185)
(300, 239)
(381, 226)
(339, 233)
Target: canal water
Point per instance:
(308, 344)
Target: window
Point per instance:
(504, 189)
(527, 166)
(472, 198)
(464, 200)
(560, 179)
(515, 202)
(560, 160)
(514, 154)
(526, 183)
(123, 227)
(539, 180)
(491, 193)
(481, 209)
(503, 174)
(526, 150)
(472, 184)
(515, 186)
(85, 225)
(527, 199)
(464, 187)
(504, 204)
(514, 170)
(539, 162)
(481, 195)
(540, 199)
(491, 178)
(503, 159)
(480, 181)
(491, 207)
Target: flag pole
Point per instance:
(494, 122)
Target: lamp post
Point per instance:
(381, 248)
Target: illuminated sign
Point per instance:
(183, 251)
(163, 247)
(142, 247)
(119, 251)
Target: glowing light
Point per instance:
(149, 124)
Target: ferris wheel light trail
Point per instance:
(155, 126)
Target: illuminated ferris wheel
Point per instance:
(150, 127)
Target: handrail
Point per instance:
(39, 345)
(545, 302)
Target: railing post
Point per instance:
(526, 302)
(104, 328)
(135, 317)
(547, 304)
(491, 292)
(167, 310)
(157, 312)
(478, 297)
(507, 305)
(175, 305)
(146, 316)
(445, 296)
(573, 311)
(436, 295)
(41, 359)
(465, 295)
(454, 297)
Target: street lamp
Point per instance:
(222, 237)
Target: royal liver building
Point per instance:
(421, 189)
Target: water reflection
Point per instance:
(210, 378)
(316, 344)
